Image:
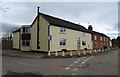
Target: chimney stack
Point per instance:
(90, 27)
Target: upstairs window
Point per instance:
(101, 38)
(83, 42)
(62, 42)
(26, 42)
(62, 30)
(95, 37)
(25, 30)
(104, 38)
(84, 34)
(107, 39)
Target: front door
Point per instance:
(92, 44)
(78, 44)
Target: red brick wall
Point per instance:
(98, 42)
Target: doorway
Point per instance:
(78, 44)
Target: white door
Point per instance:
(92, 44)
(78, 44)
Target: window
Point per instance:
(62, 42)
(26, 42)
(101, 44)
(95, 37)
(84, 34)
(104, 38)
(104, 44)
(107, 39)
(62, 30)
(95, 44)
(101, 38)
(26, 30)
(83, 42)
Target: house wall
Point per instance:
(16, 40)
(43, 35)
(25, 48)
(98, 41)
(33, 31)
(71, 37)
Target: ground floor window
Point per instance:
(95, 44)
(83, 42)
(101, 44)
(26, 42)
(62, 42)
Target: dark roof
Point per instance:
(18, 30)
(63, 23)
(97, 33)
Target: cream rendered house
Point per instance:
(48, 33)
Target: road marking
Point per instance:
(83, 57)
(76, 62)
(71, 64)
(67, 68)
(78, 59)
(83, 62)
(26, 64)
(73, 74)
(76, 69)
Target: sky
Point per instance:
(103, 16)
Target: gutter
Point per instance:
(38, 43)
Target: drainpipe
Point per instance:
(38, 43)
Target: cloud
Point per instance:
(102, 15)
(7, 26)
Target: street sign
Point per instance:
(49, 37)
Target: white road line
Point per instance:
(83, 62)
(76, 62)
(71, 64)
(67, 68)
(83, 58)
(76, 69)
(78, 59)
(26, 64)
(73, 74)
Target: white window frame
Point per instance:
(104, 44)
(84, 34)
(26, 42)
(84, 42)
(95, 37)
(101, 44)
(107, 39)
(27, 30)
(104, 38)
(62, 30)
(101, 38)
(96, 44)
(62, 41)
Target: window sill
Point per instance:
(62, 32)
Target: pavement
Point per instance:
(105, 63)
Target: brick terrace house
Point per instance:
(99, 39)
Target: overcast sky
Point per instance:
(102, 15)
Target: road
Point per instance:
(105, 63)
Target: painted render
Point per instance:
(47, 29)
(16, 40)
(71, 37)
(43, 35)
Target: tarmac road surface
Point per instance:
(105, 63)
